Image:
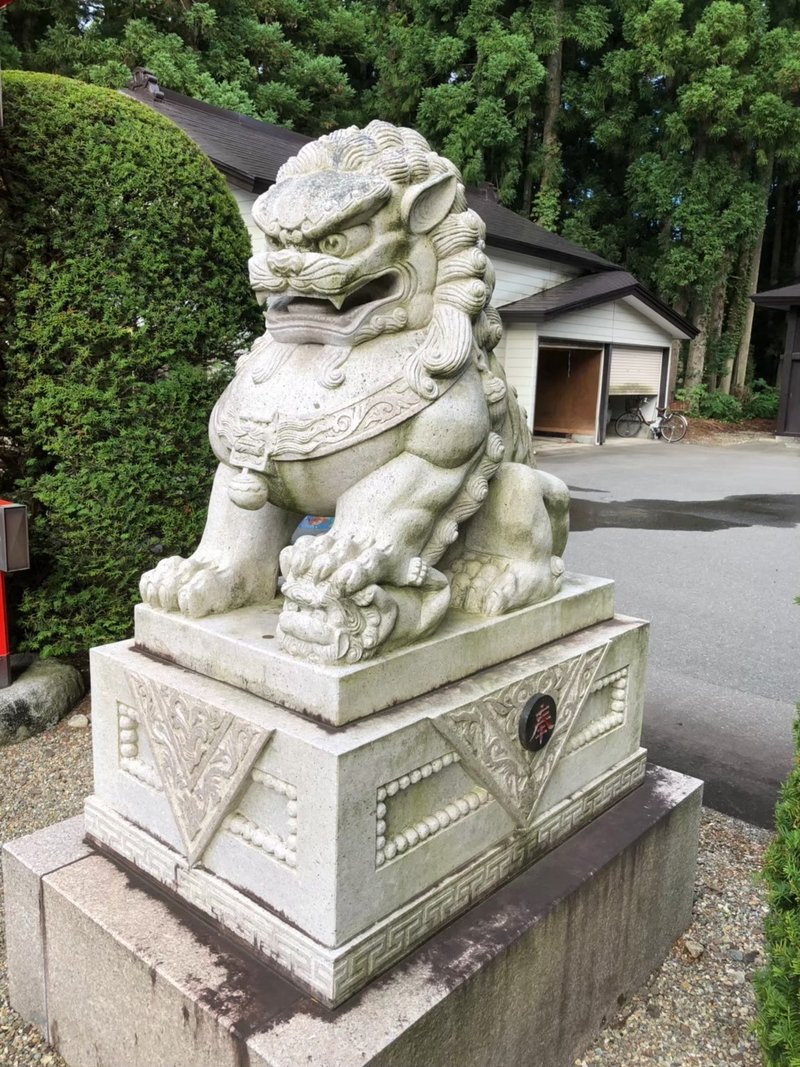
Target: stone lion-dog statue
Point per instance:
(375, 397)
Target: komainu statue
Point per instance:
(373, 396)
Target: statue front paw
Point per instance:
(191, 586)
(344, 562)
(159, 587)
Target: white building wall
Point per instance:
(520, 358)
(613, 323)
(519, 275)
(245, 200)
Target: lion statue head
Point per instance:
(368, 232)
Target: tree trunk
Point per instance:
(527, 188)
(717, 314)
(681, 305)
(696, 358)
(742, 356)
(737, 311)
(549, 195)
(740, 376)
(796, 206)
(777, 234)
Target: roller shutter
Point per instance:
(635, 371)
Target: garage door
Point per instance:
(635, 371)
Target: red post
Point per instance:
(5, 649)
(14, 556)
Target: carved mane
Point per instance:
(463, 326)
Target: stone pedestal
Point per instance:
(333, 852)
(117, 973)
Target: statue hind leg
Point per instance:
(509, 553)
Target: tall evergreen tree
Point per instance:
(295, 62)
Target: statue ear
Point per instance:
(425, 205)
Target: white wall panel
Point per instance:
(520, 362)
(245, 200)
(519, 276)
(612, 323)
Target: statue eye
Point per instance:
(335, 244)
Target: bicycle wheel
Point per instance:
(674, 428)
(628, 424)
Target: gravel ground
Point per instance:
(697, 1010)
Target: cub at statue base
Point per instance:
(373, 396)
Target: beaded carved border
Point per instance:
(387, 849)
(611, 719)
(334, 975)
(280, 848)
(130, 760)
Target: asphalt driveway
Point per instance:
(702, 541)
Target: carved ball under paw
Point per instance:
(320, 626)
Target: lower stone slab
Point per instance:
(333, 974)
(132, 979)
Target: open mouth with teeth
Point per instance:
(344, 311)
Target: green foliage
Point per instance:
(293, 62)
(778, 985)
(701, 404)
(763, 401)
(124, 280)
(658, 133)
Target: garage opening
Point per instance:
(567, 390)
(635, 380)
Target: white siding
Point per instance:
(519, 275)
(613, 323)
(520, 359)
(245, 200)
(635, 371)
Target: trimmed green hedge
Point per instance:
(778, 985)
(123, 301)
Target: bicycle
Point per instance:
(669, 426)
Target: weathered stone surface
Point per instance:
(374, 396)
(25, 863)
(239, 648)
(37, 698)
(333, 852)
(525, 977)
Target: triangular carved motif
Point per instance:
(485, 733)
(203, 755)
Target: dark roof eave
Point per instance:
(521, 314)
(776, 303)
(512, 314)
(666, 311)
(527, 248)
(251, 182)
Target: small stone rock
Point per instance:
(44, 692)
(736, 955)
(693, 948)
(78, 722)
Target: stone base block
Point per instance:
(239, 648)
(334, 852)
(131, 978)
